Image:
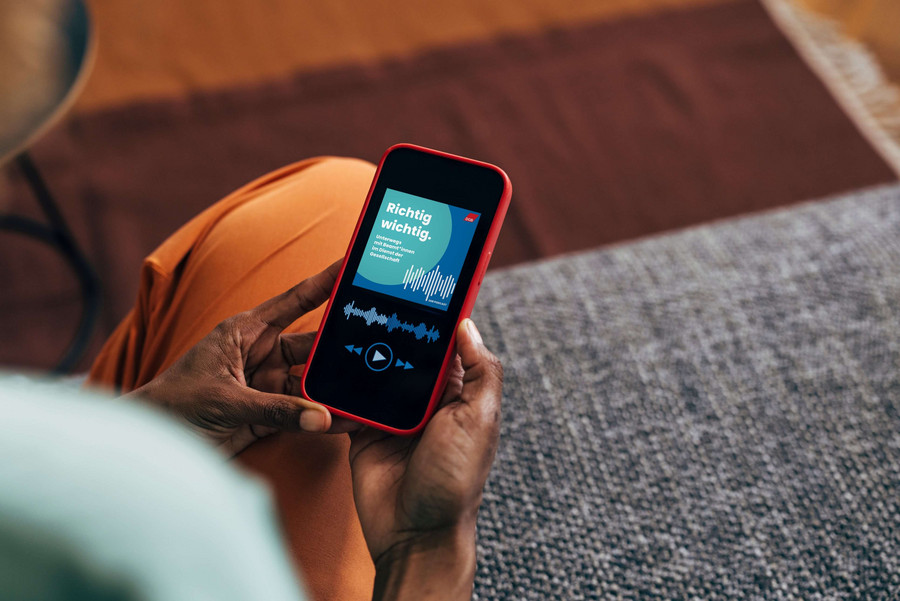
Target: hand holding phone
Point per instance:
(411, 274)
(418, 498)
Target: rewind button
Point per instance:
(354, 349)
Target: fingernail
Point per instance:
(473, 331)
(312, 421)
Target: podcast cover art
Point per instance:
(416, 249)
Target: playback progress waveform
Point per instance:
(431, 283)
(391, 323)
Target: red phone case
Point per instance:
(468, 303)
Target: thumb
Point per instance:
(483, 377)
(282, 411)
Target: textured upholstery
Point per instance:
(712, 414)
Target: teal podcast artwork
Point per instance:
(416, 249)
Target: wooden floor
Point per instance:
(876, 23)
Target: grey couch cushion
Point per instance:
(711, 414)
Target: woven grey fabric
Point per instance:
(713, 414)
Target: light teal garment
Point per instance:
(104, 499)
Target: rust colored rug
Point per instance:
(610, 129)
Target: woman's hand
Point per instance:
(417, 498)
(234, 386)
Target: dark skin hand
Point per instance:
(417, 497)
(234, 386)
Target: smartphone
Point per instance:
(411, 274)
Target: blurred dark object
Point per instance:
(45, 55)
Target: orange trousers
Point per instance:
(250, 246)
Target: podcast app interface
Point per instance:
(411, 262)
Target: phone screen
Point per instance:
(391, 321)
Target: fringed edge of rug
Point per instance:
(849, 71)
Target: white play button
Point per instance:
(379, 356)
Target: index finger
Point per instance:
(286, 308)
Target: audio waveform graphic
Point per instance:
(391, 323)
(431, 283)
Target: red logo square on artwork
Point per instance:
(471, 217)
